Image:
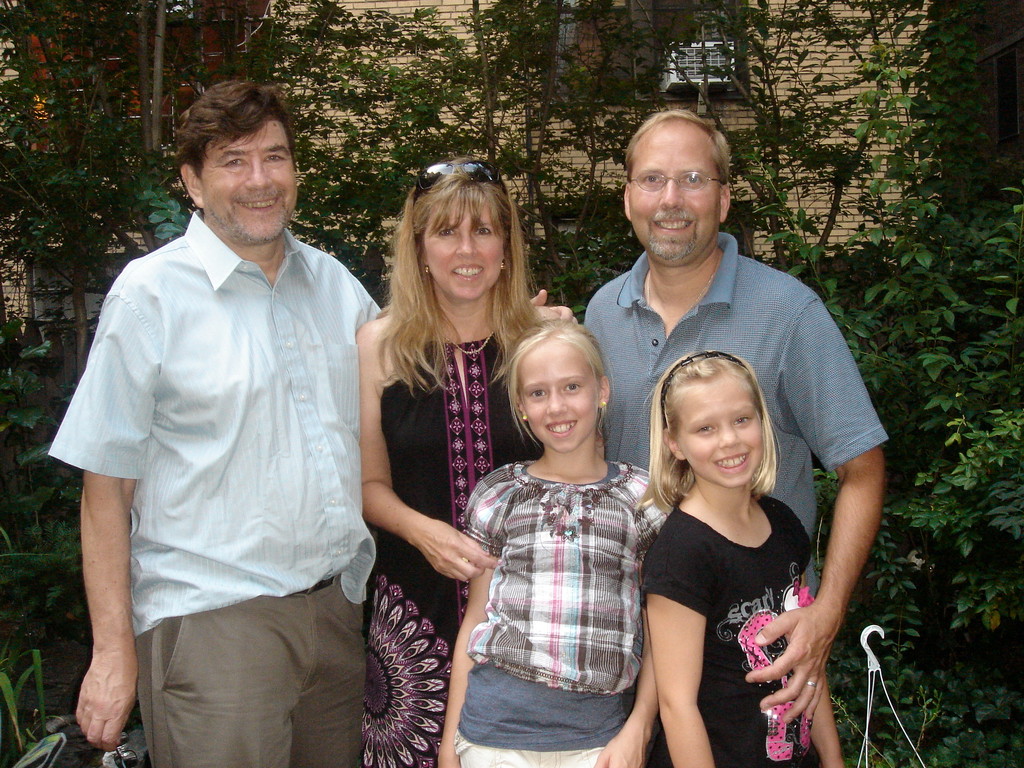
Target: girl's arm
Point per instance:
(677, 652)
(629, 747)
(479, 589)
(824, 735)
(448, 551)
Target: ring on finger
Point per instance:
(812, 684)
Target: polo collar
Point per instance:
(720, 292)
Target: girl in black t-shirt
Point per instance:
(728, 560)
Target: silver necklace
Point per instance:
(704, 290)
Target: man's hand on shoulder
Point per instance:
(550, 313)
(107, 697)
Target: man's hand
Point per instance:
(810, 632)
(107, 697)
(550, 313)
(108, 690)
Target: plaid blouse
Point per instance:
(564, 603)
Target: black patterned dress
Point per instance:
(440, 443)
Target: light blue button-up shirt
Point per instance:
(235, 404)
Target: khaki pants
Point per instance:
(476, 756)
(273, 682)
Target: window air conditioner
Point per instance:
(697, 64)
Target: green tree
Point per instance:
(72, 164)
(373, 97)
(562, 86)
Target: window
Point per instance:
(703, 62)
(675, 19)
(697, 52)
(1007, 109)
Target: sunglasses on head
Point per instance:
(477, 170)
(709, 355)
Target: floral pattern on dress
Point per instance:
(569, 511)
(406, 684)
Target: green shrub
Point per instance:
(40, 581)
(18, 729)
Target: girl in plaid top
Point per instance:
(551, 638)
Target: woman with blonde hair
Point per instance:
(434, 420)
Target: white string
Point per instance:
(862, 758)
(874, 677)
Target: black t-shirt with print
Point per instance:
(738, 589)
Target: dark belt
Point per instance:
(322, 584)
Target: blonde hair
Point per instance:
(566, 331)
(672, 478)
(417, 330)
(719, 144)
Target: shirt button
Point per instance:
(320, 448)
(654, 342)
(302, 397)
(332, 502)
(289, 344)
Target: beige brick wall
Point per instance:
(446, 9)
(835, 66)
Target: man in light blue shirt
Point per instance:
(224, 552)
(691, 291)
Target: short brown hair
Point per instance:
(226, 112)
(719, 144)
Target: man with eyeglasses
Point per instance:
(691, 291)
(224, 552)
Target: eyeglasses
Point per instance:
(709, 355)
(477, 170)
(692, 181)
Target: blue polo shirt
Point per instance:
(816, 397)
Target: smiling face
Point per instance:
(464, 258)
(560, 395)
(247, 189)
(717, 431)
(674, 225)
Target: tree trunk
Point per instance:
(157, 109)
(488, 86)
(145, 88)
(81, 319)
